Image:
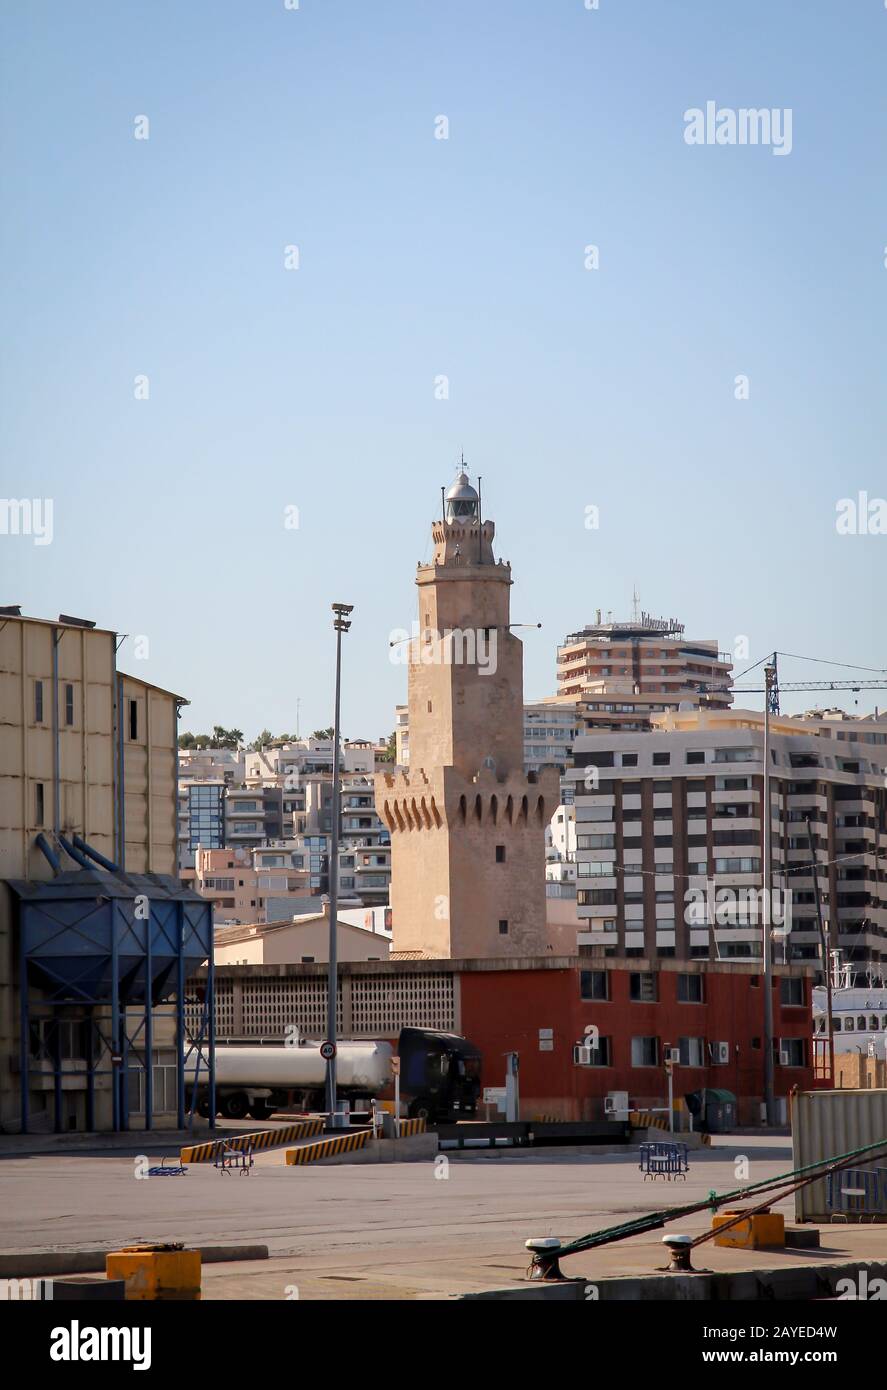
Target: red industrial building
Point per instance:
(714, 1016)
(541, 1007)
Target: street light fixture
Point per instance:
(341, 623)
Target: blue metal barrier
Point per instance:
(661, 1160)
(857, 1192)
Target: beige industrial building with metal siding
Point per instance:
(85, 751)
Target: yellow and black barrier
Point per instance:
(407, 1127)
(327, 1148)
(261, 1139)
(645, 1119)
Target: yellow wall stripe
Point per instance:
(261, 1139)
(326, 1148)
(412, 1127)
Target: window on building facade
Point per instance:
(133, 719)
(69, 705)
(593, 984)
(735, 755)
(791, 991)
(690, 989)
(791, 1052)
(503, 926)
(692, 1052)
(645, 1052)
(602, 1055)
(642, 987)
(38, 702)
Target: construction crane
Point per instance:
(772, 688)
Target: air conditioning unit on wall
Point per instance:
(719, 1052)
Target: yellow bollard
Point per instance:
(162, 1272)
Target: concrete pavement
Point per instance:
(408, 1230)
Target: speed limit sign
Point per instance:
(328, 1051)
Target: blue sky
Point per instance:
(421, 257)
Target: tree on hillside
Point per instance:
(220, 738)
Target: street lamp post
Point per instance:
(341, 624)
(769, 1089)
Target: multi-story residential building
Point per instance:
(623, 673)
(253, 815)
(669, 834)
(365, 844)
(550, 726)
(212, 764)
(285, 764)
(550, 730)
(201, 817)
(240, 883)
(402, 735)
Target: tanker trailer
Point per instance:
(259, 1080)
(440, 1076)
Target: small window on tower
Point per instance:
(500, 854)
(429, 706)
(133, 719)
(503, 926)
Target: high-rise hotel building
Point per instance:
(623, 674)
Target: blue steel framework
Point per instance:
(125, 943)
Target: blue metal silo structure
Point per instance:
(117, 949)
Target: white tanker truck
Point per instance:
(439, 1075)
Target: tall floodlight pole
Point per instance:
(826, 958)
(340, 624)
(769, 1095)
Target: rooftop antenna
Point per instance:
(634, 604)
(480, 522)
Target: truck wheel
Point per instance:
(234, 1107)
(421, 1109)
(261, 1111)
(203, 1108)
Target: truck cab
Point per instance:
(440, 1073)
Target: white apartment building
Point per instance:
(550, 727)
(668, 819)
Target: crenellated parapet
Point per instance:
(417, 800)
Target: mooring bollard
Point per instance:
(679, 1248)
(545, 1258)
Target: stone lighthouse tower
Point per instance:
(467, 823)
